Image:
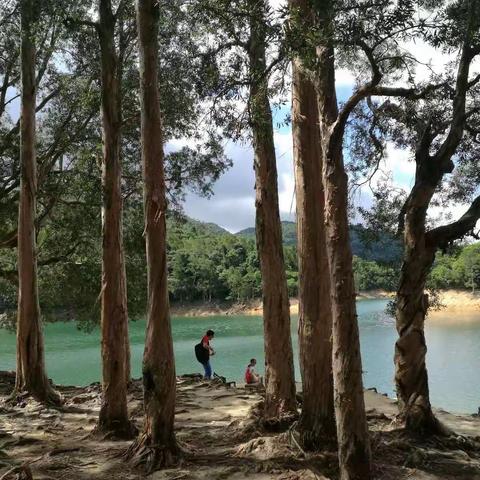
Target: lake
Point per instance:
(73, 357)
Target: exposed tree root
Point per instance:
(311, 440)
(454, 455)
(422, 423)
(142, 453)
(49, 398)
(115, 431)
(21, 472)
(278, 424)
(256, 422)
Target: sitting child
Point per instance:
(252, 378)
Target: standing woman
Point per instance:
(203, 352)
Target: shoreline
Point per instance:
(452, 301)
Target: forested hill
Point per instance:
(207, 263)
(384, 250)
(289, 233)
(207, 227)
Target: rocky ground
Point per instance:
(217, 432)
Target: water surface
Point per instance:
(73, 357)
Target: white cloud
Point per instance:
(277, 4)
(344, 78)
(233, 203)
(399, 162)
(286, 181)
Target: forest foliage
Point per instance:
(207, 263)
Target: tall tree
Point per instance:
(240, 67)
(333, 28)
(156, 445)
(114, 318)
(60, 121)
(433, 161)
(280, 397)
(317, 420)
(433, 128)
(31, 374)
(352, 433)
(357, 31)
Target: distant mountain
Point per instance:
(383, 249)
(371, 246)
(208, 227)
(365, 245)
(289, 233)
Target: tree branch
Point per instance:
(457, 125)
(12, 275)
(474, 81)
(409, 93)
(440, 237)
(361, 93)
(72, 22)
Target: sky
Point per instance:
(233, 204)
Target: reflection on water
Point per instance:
(453, 359)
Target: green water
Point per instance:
(73, 357)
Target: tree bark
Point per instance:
(352, 432)
(280, 400)
(113, 417)
(411, 375)
(317, 420)
(31, 374)
(122, 48)
(156, 445)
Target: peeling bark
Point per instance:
(113, 418)
(31, 375)
(156, 446)
(317, 421)
(280, 398)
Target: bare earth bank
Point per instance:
(218, 439)
(453, 301)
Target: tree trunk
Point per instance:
(31, 375)
(113, 413)
(280, 398)
(156, 445)
(128, 366)
(122, 49)
(352, 431)
(317, 420)
(411, 376)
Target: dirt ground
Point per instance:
(219, 440)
